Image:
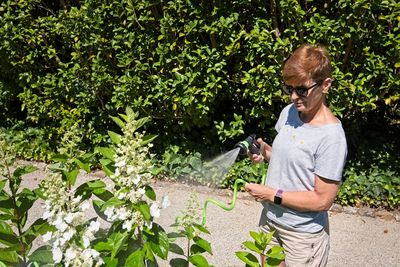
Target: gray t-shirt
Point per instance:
(299, 152)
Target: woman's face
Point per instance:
(307, 95)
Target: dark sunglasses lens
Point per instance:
(287, 89)
(301, 91)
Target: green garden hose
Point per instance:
(222, 205)
(262, 170)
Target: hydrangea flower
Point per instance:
(131, 177)
(66, 212)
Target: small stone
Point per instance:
(385, 215)
(350, 210)
(336, 208)
(98, 173)
(396, 215)
(365, 211)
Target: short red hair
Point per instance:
(307, 62)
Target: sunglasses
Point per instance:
(300, 90)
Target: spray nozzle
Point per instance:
(249, 144)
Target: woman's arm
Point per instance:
(321, 199)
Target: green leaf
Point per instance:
(110, 262)
(135, 259)
(159, 242)
(250, 245)
(5, 228)
(203, 244)
(148, 139)
(195, 163)
(276, 252)
(176, 249)
(198, 260)
(24, 170)
(106, 152)
(59, 158)
(97, 206)
(42, 255)
(178, 262)
(201, 228)
(148, 252)
(111, 202)
(71, 176)
(96, 187)
(247, 258)
(145, 210)
(116, 138)
(2, 184)
(195, 249)
(117, 241)
(141, 122)
(150, 193)
(8, 239)
(256, 236)
(7, 255)
(118, 121)
(83, 165)
(107, 166)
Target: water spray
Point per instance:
(249, 145)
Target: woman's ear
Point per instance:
(326, 84)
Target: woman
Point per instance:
(306, 161)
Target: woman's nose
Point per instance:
(293, 95)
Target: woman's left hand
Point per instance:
(260, 192)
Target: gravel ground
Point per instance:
(355, 240)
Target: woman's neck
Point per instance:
(319, 115)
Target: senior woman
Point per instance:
(306, 161)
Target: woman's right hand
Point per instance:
(265, 152)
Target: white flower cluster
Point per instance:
(7, 155)
(67, 214)
(131, 176)
(132, 165)
(71, 140)
(192, 213)
(129, 217)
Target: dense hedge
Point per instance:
(206, 72)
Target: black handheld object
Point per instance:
(250, 144)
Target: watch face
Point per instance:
(277, 200)
(278, 197)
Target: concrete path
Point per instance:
(355, 240)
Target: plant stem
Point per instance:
(275, 18)
(188, 252)
(16, 211)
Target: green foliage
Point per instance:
(29, 143)
(187, 226)
(374, 187)
(178, 165)
(16, 237)
(204, 71)
(270, 255)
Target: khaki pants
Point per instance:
(301, 249)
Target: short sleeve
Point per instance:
(330, 158)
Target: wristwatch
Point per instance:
(278, 197)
